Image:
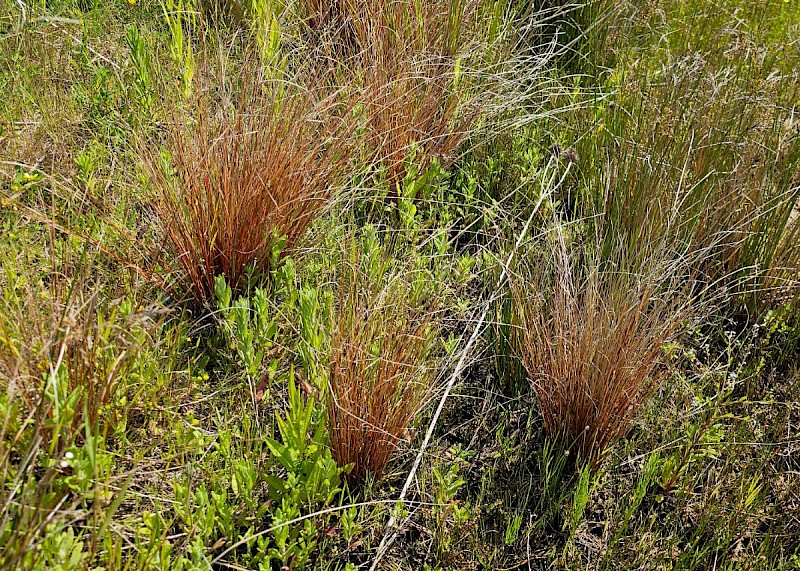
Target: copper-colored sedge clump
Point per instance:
(380, 374)
(404, 57)
(591, 340)
(243, 170)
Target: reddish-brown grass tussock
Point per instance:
(409, 110)
(244, 172)
(428, 75)
(405, 59)
(410, 54)
(379, 376)
(592, 348)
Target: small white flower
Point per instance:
(69, 455)
(64, 464)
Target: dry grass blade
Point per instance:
(248, 170)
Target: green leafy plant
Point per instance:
(250, 324)
(266, 17)
(648, 476)
(312, 477)
(553, 461)
(142, 67)
(181, 18)
(315, 318)
(449, 514)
